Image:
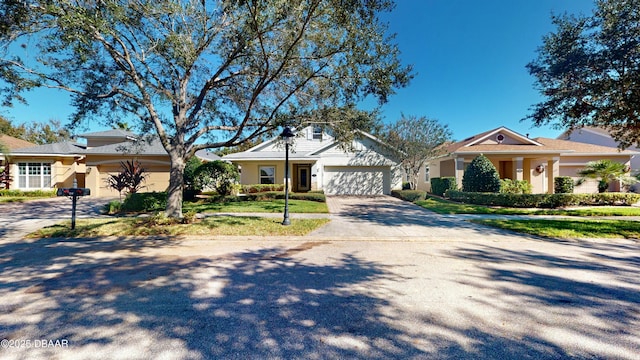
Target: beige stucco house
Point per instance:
(89, 165)
(318, 162)
(518, 157)
(598, 136)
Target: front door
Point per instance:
(303, 182)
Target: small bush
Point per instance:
(563, 185)
(481, 176)
(440, 185)
(113, 207)
(509, 186)
(409, 195)
(145, 202)
(273, 195)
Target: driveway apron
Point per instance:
(19, 219)
(386, 217)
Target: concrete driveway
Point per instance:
(454, 295)
(386, 217)
(19, 219)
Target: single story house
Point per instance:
(89, 165)
(518, 157)
(317, 161)
(598, 136)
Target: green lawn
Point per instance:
(568, 229)
(151, 226)
(263, 206)
(442, 206)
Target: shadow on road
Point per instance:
(111, 298)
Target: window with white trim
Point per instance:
(426, 173)
(317, 133)
(267, 175)
(34, 175)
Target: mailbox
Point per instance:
(73, 192)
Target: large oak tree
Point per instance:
(588, 71)
(200, 73)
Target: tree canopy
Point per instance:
(588, 71)
(417, 140)
(201, 73)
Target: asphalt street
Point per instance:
(377, 290)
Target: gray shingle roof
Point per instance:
(149, 146)
(113, 133)
(61, 148)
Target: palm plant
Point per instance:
(604, 171)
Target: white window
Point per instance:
(34, 175)
(426, 173)
(317, 133)
(267, 175)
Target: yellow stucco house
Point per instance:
(518, 157)
(89, 165)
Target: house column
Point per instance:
(553, 167)
(459, 171)
(518, 172)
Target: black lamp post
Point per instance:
(287, 135)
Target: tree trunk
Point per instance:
(176, 186)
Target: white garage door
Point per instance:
(348, 180)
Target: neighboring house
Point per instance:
(518, 157)
(89, 165)
(598, 136)
(13, 143)
(317, 162)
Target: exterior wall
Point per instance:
(63, 170)
(100, 167)
(590, 137)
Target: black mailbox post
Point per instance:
(73, 193)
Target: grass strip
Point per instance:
(442, 206)
(266, 206)
(568, 229)
(214, 226)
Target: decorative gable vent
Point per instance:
(500, 138)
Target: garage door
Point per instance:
(348, 180)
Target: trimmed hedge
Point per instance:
(440, 185)
(143, 202)
(563, 185)
(30, 193)
(409, 195)
(543, 200)
(257, 188)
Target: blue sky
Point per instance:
(469, 57)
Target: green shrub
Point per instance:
(30, 193)
(218, 175)
(509, 186)
(256, 188)
(113, 207)
(409, 195)
(563, 185)
(144, 202)
(481, 176)
(273, 195)
(543, 200)
(440, 185)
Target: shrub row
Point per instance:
(256, 188)
(440, 185)
(31, 193)
(409, 195)
(157, 201)
(543, 200)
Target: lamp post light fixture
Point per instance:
(287, 135)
